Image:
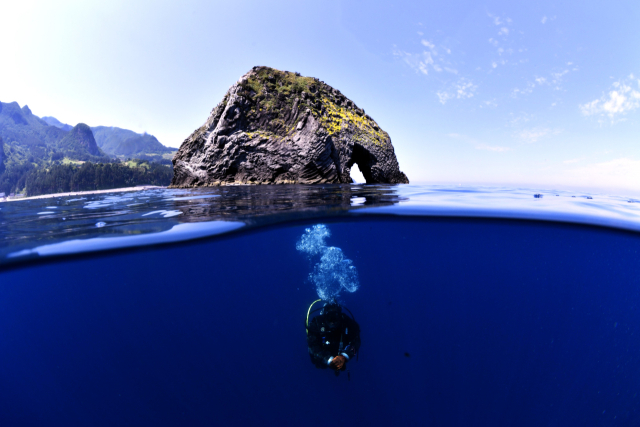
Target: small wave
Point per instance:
(164, 213)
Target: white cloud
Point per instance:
(444, 96)
(418, 61)
(494, 64)
(621, 99)
(544, 19)
(428, 59)
(503, 23)
(525, 91)
(557, 77)
(462, 89)
(465, 88)
(428, 44)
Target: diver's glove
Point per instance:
(338, 363)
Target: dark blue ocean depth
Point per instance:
(464, 322)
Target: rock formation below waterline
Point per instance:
(277, 127)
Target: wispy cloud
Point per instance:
(555, 79)
(492, 103)
(499, 21)
(621, 99)
(419, 62)
(545, 19)
(462, 89)
(430, 59)
(428, 44)
(524, 91)
(503, 44)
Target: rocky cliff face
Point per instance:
(277, 127)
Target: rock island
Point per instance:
(278, 127)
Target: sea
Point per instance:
(478, 306)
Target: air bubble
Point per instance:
(333, 272)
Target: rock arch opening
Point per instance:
(356, 175)
(360, 165)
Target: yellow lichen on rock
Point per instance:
(337, 117)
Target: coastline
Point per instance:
(81, 193)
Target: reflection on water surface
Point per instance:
(30, 224)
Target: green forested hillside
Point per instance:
(34, 151)
(26, 137)
(91, 176)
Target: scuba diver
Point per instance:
(333, 337)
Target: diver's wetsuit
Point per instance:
(327, 331)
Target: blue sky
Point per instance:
(538, 94)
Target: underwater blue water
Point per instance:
(484, 307)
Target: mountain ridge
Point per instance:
(19, 126)
(31, 146)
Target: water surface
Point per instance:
(477, 307)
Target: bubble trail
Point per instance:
(333, 272)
